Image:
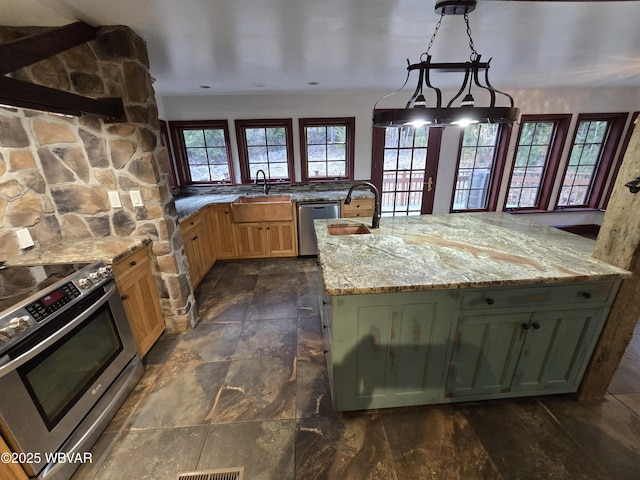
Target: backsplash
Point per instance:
(56, 172)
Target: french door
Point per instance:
(404, 167)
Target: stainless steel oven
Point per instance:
(67, 362)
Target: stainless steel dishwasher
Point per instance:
(307, 213)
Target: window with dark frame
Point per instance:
(480, 162)
(203, 153)
(327, 148)
(541, 139)
(404, 164)
(265, 145)
(594, 144)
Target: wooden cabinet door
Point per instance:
(389, 350)
(556, 350)
(222, 232)
(281, 239)
(9, 470)
(485, 353)
(140, 298)
(250, 239)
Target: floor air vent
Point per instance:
(218, 474)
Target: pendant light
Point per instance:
(475, 73)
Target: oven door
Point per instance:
(54, 378)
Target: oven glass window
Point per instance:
(63, 373)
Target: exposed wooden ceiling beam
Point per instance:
(17, 93)
(29, 50)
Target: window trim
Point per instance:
(550, 173)
(241, 138)
(502, 145)
(623, 150)
(180, 151)
(606, 163)
(350, 123)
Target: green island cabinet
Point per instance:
(438, 346)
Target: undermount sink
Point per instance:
(263, 208)
(348, 229)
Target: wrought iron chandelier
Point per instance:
(456, 112)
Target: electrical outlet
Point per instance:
(114, 198)
(24, 238)
(136, 198)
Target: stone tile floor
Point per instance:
(248, 387)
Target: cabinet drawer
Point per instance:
(124, 265)
(581, 295)
(358, 208)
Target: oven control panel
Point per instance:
(52, 301)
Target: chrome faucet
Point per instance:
(376, 210)
(266, 187)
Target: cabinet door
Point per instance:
(140, 298)
(281, 239)
(389, 350)
(556, 350)
(222, 232)
(485, 353)
(250, 239)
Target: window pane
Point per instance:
(475, 167)
(328, 144)
(276, 136)
(532, 157)
(316, 135)
(201, 149)
(255, 136)
(403, 170)
(193, 138)
(585, 157)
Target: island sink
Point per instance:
(348, 229)
(262, 208)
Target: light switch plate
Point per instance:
(114, 198)
(136, 198)
(24, 238)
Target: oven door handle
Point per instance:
(8, 365)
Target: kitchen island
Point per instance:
(471, 306)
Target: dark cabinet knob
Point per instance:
(526, 326)
(123, 297)
(490, 301)
(586, 295)
(535, 325)
(133, 264)
(195, 238)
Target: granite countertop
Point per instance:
(106, 249)
(188, 205)
(461, 250)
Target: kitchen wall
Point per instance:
(360, 105)
(56, 172)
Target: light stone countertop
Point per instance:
(106, 249)
(187, 205)
(461, 250)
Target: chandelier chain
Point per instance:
(474, 54)
(433, 37)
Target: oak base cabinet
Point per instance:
(266, 239)
(362, 207)
(10, 470)
(222, 232)
(140, 298)
(198, 245)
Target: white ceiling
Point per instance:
(264, 46)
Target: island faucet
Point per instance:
(264, 176)
(376, 210)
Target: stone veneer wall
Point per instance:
(55, 171)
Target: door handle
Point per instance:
(429, 184)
